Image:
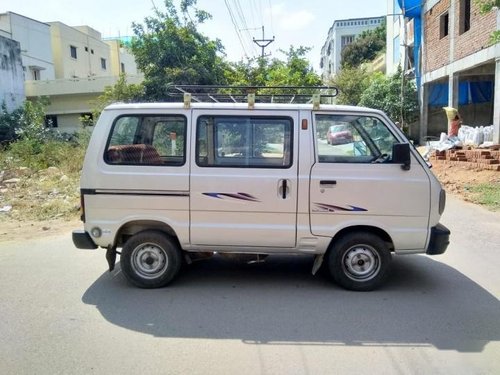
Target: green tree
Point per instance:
(394, 95)
(486, 6)
(351, 83)
(366, 47)
(169, 49)
(294, 70)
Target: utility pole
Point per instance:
(263, 43)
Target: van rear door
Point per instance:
(244, 178)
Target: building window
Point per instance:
(72, 51)
(444, 21)
(92, 51)
(122, 65)
(86, 49)
(464, 16)
(35, 74)
(51, 121)
(396, 53)
(346, 40)
(103, 64)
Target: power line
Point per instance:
(233, 20)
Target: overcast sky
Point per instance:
(291, 22)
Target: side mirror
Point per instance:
(401, 155)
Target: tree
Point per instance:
(486, 6)
(351, 83)
(295, 70)
(169, 50)
(394, 95)
(365, 47)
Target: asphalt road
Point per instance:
(61, 312)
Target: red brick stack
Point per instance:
(473, 158)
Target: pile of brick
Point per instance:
(472, 158)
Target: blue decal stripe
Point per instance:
(241, 196)
(333, 208)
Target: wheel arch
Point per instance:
(133, 227)
(366, 229)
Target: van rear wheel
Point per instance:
(150, 259)
(359, 261)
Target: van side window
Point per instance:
(147, 140)
(352, 139)
(244, 141)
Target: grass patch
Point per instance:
(487, 194)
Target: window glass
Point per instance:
(147, 140)
(352, 139)
(259, 142)
(72, 51)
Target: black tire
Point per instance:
(150, 259)
(359, 261)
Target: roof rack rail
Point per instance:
(252, 94)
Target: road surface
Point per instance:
(61, 312)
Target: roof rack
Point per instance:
(253, 94)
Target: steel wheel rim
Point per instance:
(149, 260)
(361, 263)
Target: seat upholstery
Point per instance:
(133, 154)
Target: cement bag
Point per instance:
(478, 136)
(488, 133)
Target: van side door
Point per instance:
(244, 178)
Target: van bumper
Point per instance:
(82, 240)
(440, 238)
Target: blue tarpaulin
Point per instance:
(469, 92)
(413, 10)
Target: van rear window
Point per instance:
(243, 141)
(147, 140)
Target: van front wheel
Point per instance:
(359, 261)
(150, 259)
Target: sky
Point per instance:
(290, 22)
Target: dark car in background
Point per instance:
(339, 134)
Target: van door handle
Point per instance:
(283, 188)
(327, 182)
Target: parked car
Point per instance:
(339, 135)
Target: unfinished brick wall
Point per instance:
(477, 38)
(465, 44)
(437, 48)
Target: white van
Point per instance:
(166, 181)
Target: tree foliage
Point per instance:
(169, 49)
(351, 83)
(393, 95)
(295, 70)
(486, 6)
(365, 47)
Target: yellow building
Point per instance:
(73, 71)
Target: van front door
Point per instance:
(355, 183)
(244, 178)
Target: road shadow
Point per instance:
(424, 303)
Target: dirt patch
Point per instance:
(459, 180)
(13, 230)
